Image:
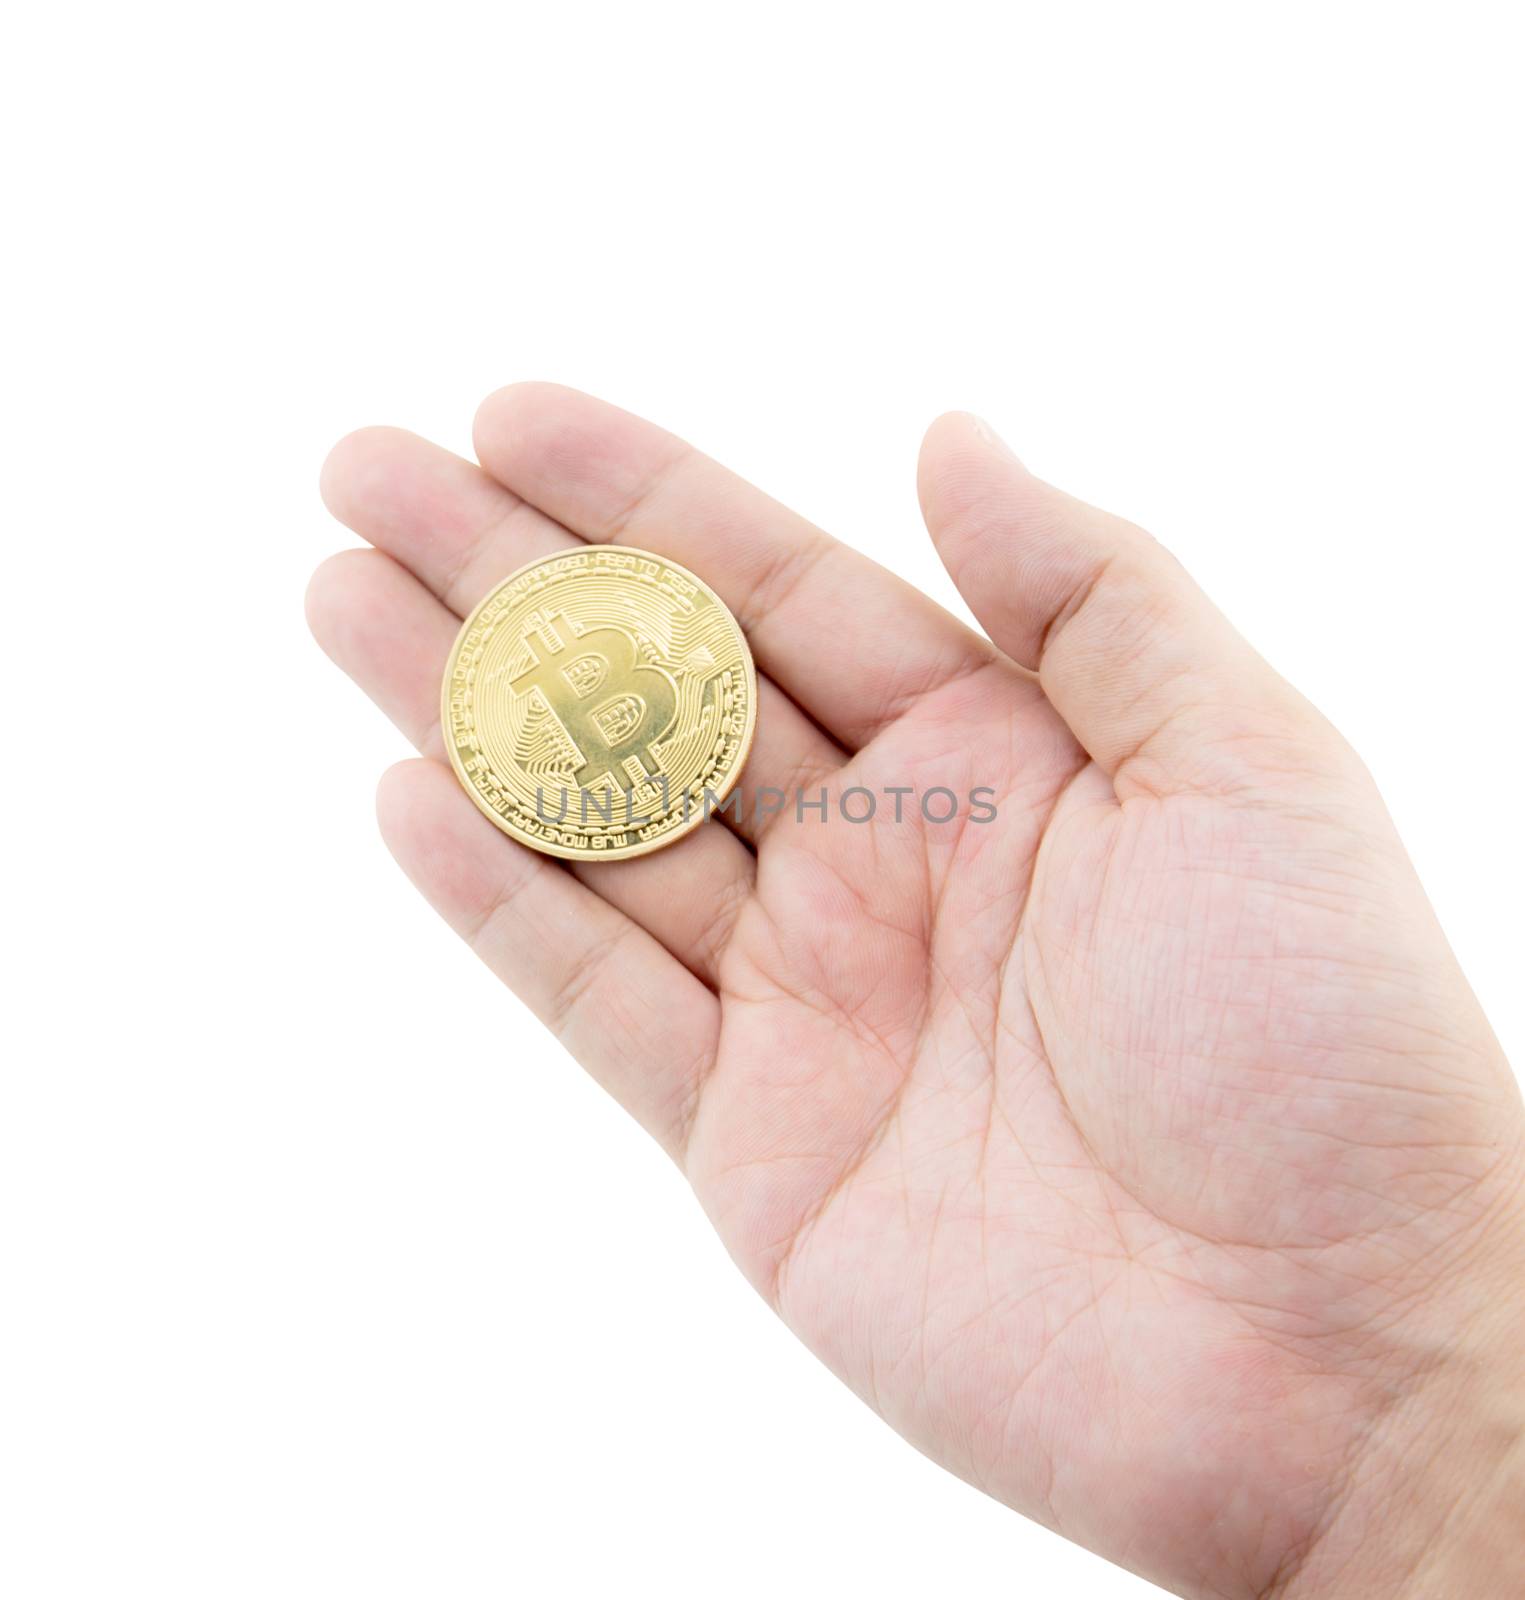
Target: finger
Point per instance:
(1150, 676)
(456, 527)
(461, 532)
(376, 622)
(638, 1020)
(854, 645)
(393, 638)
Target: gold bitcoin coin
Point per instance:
(599, 703)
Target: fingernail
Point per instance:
(992, 438)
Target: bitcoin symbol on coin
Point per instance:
(599, 703)
(616, 736)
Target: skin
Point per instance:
(1143, 1155)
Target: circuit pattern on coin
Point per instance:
(599, 703)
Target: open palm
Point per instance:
(1132, 1152)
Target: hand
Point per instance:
(1141, 1155)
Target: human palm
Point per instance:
(1133, 1151)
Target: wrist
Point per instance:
(1480, 1549)
(1432, 1505)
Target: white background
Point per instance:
(325, 1273)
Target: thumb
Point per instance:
(1152, 679)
